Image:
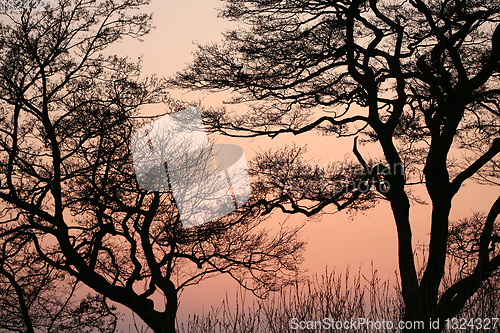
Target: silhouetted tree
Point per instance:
(414, 76)
(67, 182)
(38, 297)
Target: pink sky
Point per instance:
(336, 241)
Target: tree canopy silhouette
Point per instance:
(38, 297)
(69, 193)
(418, 77)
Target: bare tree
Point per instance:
(67, 179)
(414, 76)
(37, 297)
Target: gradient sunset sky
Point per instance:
(336, 241)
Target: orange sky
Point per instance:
(336, 241)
